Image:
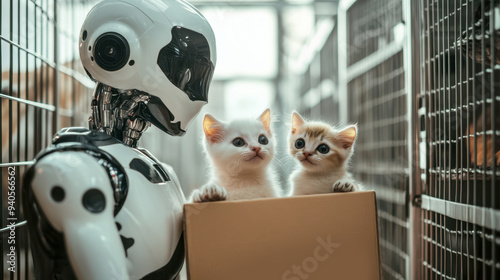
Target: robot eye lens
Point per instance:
(111, 51)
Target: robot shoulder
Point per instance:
(69, 202)
(84, 136)
(69, 185)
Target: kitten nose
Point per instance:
(307, 154)
(256, 149)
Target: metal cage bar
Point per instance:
(458, 135)
(318, 91)
(377, 91)
(41, 88)
(446, 190)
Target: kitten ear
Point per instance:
(297, 121)
(347, 136)
(265, 118)
(214, 129)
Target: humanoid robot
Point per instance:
(97, 206)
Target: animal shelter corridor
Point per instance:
(420, 79)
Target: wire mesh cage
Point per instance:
(370, 27)
(459, 136)
(377, 100)
(329, 105)
(318, 88)
(381, 161)
(42, 85)
(454, 234)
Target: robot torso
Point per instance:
(99, 209)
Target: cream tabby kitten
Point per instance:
(239, 153)
(323, 153)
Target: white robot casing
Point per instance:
(117, 210)
(149, 28)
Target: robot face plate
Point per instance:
(158, 114)
(186, 63)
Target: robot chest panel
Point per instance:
(150, 221)
(152, 216)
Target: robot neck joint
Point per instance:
(118, 113)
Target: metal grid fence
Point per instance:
(460, 132)
(377, 99)
(429, 131)
(318, 88)
(41, 88)
(378, 102)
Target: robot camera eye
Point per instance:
(111, 51)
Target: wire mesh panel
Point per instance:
(329, 105)
(377, 101)
(370, 27)
(41, 85)
(459, 136)
(318, 87)
(74, 86)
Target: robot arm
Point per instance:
(73, 193)
(95, 249)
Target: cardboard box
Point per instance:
(330, 236)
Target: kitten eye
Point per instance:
(238, 142)
(299, 144)
(263, 140)
(323, 149)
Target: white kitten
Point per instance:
(323, 153)
(239, 153)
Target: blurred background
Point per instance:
(419, 77)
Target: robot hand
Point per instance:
(74, 194)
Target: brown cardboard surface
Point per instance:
(331, 236)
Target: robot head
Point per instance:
(164, 48)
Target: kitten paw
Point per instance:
(344, 186)
(210, 192)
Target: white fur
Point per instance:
(237, 169)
